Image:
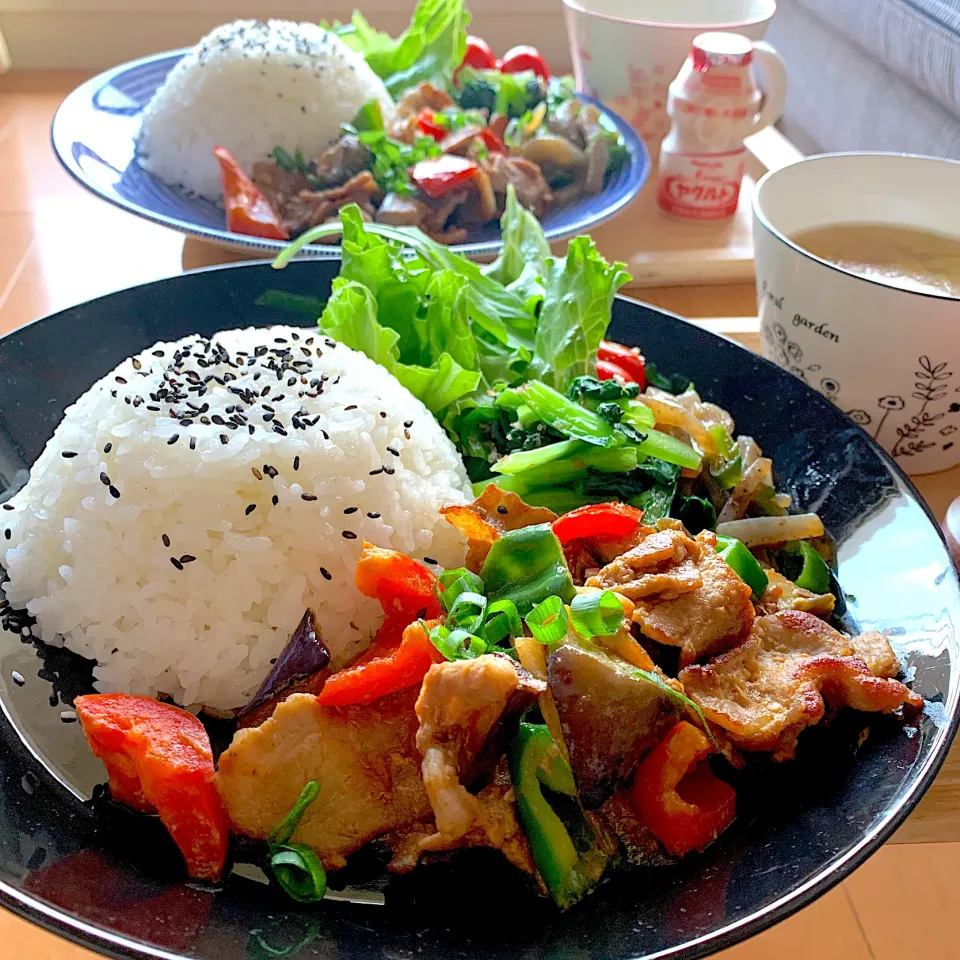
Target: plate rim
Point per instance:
(640, 166)
(121, 947)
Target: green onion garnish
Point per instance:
(299, 872)
(456, 644)
(596, 614)
(451, 583)
(501, 622)
(467, 612)
(296, 867)
(548, 620)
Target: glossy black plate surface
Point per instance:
(802, 827)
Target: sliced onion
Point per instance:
(763, 531)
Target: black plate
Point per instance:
(802, 827)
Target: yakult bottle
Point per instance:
(714, 103)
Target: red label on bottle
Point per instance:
(700, 188)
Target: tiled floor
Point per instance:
(58, 247)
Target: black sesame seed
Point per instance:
(104, 479)
(176, 563)
(250, 508)
(224, 439)
(187, 558)
(193, 443)
(114, 492)
(374, 516)
(430, 560)
(408, 423)
(274, 499)
(8, 506)
(352, 406)
(68, 454)
(394, 451)
(256, 473)
(166, 540)
(137, 364)
(8, 533)
(296, 462)
(307, 496)
(271, 472)
(173, 439)
(325, 573)
(383, 413)
(326, 436)
(120, 380)
(348, 535)
(374, 473)
(349, 510)
(389, 471)
(502, 510)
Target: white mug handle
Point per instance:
(775, 72)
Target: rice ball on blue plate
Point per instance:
(251, 86)
(200, 496)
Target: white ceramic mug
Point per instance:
(626, 52)
(889, 358)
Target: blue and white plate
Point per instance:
(94, 136)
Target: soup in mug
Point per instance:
(905, 257)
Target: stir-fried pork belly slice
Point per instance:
(533, 191)
(311, 207)
(469, 711)
(341, 161)
(401, 211)
(496, 825)
(494, 512)
(610, 715)
(784, 594)
(278, 186)
(766, 692)
(686, 596)
(364, 758)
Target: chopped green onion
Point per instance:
(467, 612)
(299, 872)
(456, 644)
(451, 583)
(502, 621)
(567, 417)
(284, 830)
(548, 620)
(296, 867)
(596, 614)
(664, 447)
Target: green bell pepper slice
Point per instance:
(815, 574)
(570, 863)
(743, 563)
(527, 566)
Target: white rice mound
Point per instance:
(251, 86)
(201, 618)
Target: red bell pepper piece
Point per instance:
(403, 586)
(610, 371)
(477, 55)
(605, 521)
(426, 121)
(492, 142)
(628, 359)
(518, 59)
(678, 797)
(248, 210)
(158, 758)
(385, 672)
(440, 175)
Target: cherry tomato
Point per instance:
(627, 358)
(610, 371)
(478, 55)
(517, 59)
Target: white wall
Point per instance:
(94, 34)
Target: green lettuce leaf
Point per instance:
(525, 248)
(579, 291)
(430, 49)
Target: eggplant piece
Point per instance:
(640, 847)
(610, 716)
(305, 654)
